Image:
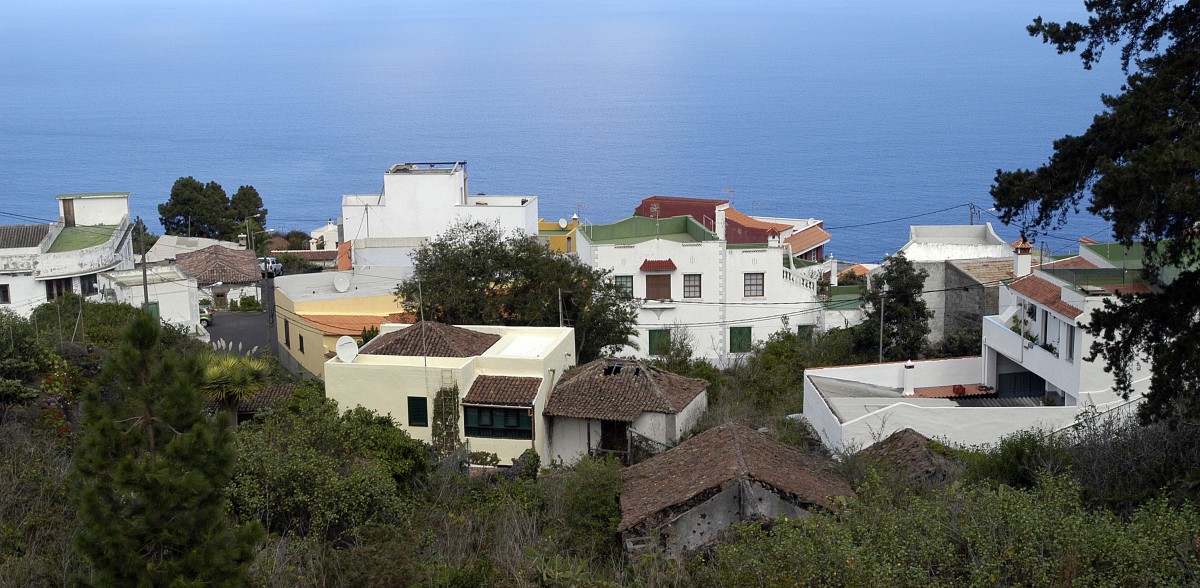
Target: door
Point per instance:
(68, 212)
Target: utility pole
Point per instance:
(145, 280)
(882, 299)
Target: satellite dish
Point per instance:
(562, 223)
(347, 349)
(341, 282)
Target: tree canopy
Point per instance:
(1138, 167)
(474, 273)
(195, 209)
(152, 471)
(905, 320)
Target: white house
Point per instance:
(420, 201)
(616, 407)
(503, 377)
(325, 238)
(728, 278)
(1031, 372)
(223, 274)
(41, 262)
(174, 297)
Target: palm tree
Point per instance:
(232, 379)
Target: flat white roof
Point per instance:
(373, 281)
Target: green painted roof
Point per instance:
(1118, 255)
(74, 238)
(636, 229)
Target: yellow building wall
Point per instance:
(384, 383)
(316, 343)
(564, 243)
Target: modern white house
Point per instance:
(174, 297)
(502, 377)
(40, 262)
(1031, 373)
(727, 278)
(621, 407)
(418, 202)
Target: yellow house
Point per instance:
(559, 235)
(311, 311)
(502, 375)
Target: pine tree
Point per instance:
(151, 472)
(905, 316)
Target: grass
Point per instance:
(75, 238)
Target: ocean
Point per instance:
(856, 112)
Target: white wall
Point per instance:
(690, 415)
(99, 210)
(24, 292)
(569, 438)
(178, 301)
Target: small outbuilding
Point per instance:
(685, 498)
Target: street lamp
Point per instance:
(882, 297)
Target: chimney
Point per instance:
(909, 367)
(1022, 258)
(719, 225)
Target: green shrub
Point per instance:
(234, 306)
(248, 304)
(1019, 459)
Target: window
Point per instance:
(658, 287)
(691, 285)
(5, 297)
(753, 284)
(1070, 342)
(301, 338)
(1045, 327)
(660, 341)
(287, 334)
(152, 308)
(87, 285)
(625, 283)
(56, 288)
(498, 423)
(739, 339)
(418, 412)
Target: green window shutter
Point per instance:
(418, 411)
(472, 416)
(152, 308)
(739, 339)
(660, 341)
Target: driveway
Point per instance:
(241, 331)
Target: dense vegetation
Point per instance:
(347, 499)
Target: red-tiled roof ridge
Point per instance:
(658, 265)
(433, 339)
(620, 390)
(353, 324)
(1074, 262)
(735, 215)
(728, 452)
(1044, 292)
(809, 238)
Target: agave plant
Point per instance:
(232, 379)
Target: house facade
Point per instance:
(420, 201)
(1032, 371)
(311, 311)
(40, 262)
(497, 379)
(622, 408)
(222, 274)
(686, 498)
(727, 278)
(174, 296)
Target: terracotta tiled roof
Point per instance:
(13, 236)
(1044, 292)
(732, 214)
(343, 256)
(658, 265)
(431, 339)
(987, 272)
(856, 270)
(267, 398)
(948, 391)
(220, 264)
(353, 324)
(908, 452)
(1076, 262)
(714, 457)
(508, 390)
(1022, 245)
(808, 239)
(620, 390)
(1127, 288)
